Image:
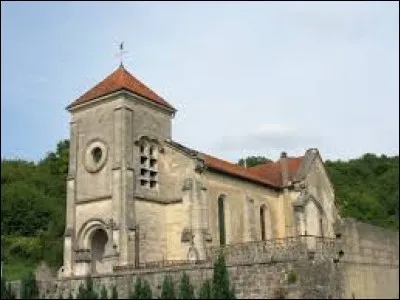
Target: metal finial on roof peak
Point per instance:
(121, 54)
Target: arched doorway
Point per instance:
(98, 243)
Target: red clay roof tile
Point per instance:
(236, 170)
(120, 79)
(272, 170)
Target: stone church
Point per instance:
(134, 195)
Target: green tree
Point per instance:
(186, 290)
(114, 293)
(142, 289)
(221, 287)
(146, 291)
(367, 188)
(137, 290)
(103, 293)
(205, 290)
(81, 292)
(33, 199)
(87, 291)
(168, 289)
(3, 289)
(29, 288)
(6, 291)
(252, 161)
(70, 296)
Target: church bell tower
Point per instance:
(113, 127)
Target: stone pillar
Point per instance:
(123, 181)
(117, 176)
(110, 257)
(199, 219)
(287, 211)
(69, 236)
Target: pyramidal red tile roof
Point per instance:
(272, 170)
(120, 79)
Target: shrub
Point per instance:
(168, 291)
(292, 277)
(29, 288)
(137, 290)
(146, 291)
(114, 293)
(142, 290)
(87, 291)
(6, 292)
(186, 290)
(70, 296)
(103, 293)
(205, 290)
(221, 288)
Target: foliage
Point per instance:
(6, 292)
(103, 293)
(367, 188)
(186, 290)
(33, 199)
(142, 289)
(70, 296)
(114, 293)
(29, 288)
(292, 277)
(168, 289)
(146, 291)
(205, 290)
(87, 291)
(137, 290)
(252, 161)
(221, 287)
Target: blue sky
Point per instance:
(247, 78)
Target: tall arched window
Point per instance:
(321, 227)
(221, 221)
(262, 222)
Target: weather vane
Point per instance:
(121, 52)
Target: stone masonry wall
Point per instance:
(370, 265)
(257, 281)
(368, 268)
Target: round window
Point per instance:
(95, 156)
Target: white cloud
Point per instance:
(277, 137)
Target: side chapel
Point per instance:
(135, 195)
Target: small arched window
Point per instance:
(221, 220)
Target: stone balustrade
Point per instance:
(277, 250)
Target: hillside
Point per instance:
(33, 202)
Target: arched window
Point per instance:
(221, 221)
(262, 223)
(321, 227)
(252, 220)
